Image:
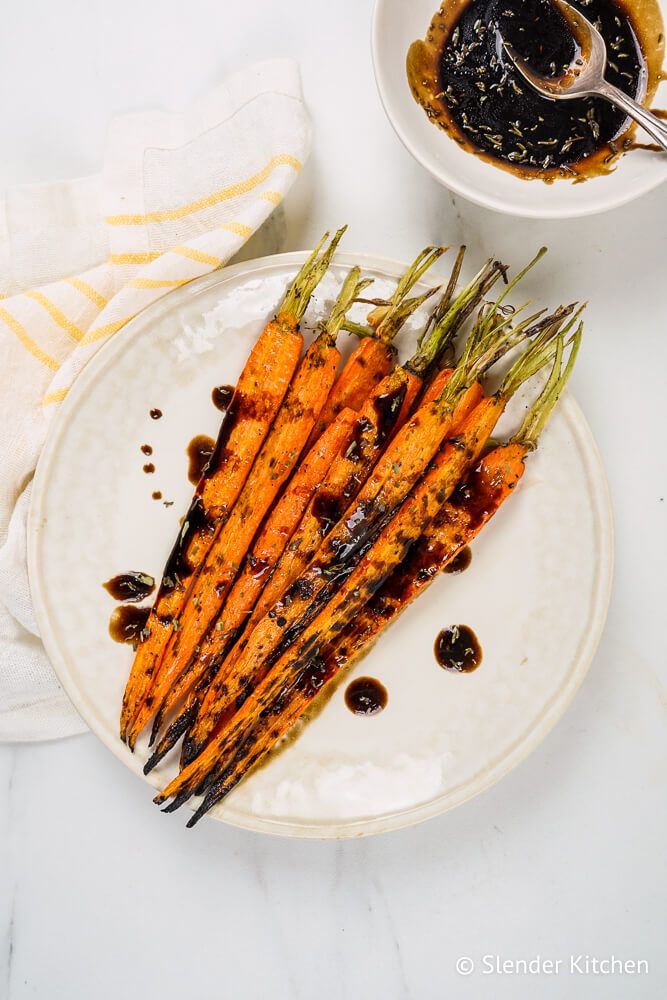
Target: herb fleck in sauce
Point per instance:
(467, 84)
(457, 649)
(132, 586)
(222, 396)
(366, 696)
(460, 562)
(199, 452)
(127, 623)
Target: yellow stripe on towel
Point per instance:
(91, 293)
(171, 214)
(238, 228)
(19, 331)
(56, 315)
(98, 333)
(157, 282)
(199, 256)
(134, 258)
(274, 197)
(55, 397)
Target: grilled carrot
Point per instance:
(403, 463)
(250, 582)
(368, 364)
(356, 590)
(458, 522)
(386, 320)
(495, 482)
(274, 464)
(314, 626)
(259, 393)
(375, 355)
(390, 402)
(265, 553)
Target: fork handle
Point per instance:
(656, 128)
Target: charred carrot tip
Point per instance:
(177, 802)
(197, 815)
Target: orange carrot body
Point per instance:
(456, 525)
(266, 551)
(373, 428)
(350, 596)
(271, 365)
(274, 464)
(291, 605)
(368, 364)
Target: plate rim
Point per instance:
(367, 826)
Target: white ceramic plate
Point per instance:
(396, 24)
(536, 593)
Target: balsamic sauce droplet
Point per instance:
(146, 449)
(199, 452)
(366, 696)
(127, 623)
(132, 586)
(222, 396)
(157, 495)
(460, 562)
(149, 468)
(155, 413)
(457, 649)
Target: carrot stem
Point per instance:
(309, 276)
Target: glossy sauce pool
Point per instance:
(457, 649)
(468, 86)
(366, 696)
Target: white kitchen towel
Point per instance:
(178, 196)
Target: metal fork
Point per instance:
(585, 76)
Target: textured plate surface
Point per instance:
(536, 593)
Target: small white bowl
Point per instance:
(396, 24)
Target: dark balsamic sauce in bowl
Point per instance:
(501, 114)
(468, 86)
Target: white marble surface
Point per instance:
(102, 896)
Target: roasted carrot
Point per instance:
(259, 393)
(386, 321)
(375, 355)
(498, 475)
(265, 553)
(458, 522)
(314, 626)
(274, 464)
(403, 463)
(390, 401)
(249, 584)
(359, 587)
